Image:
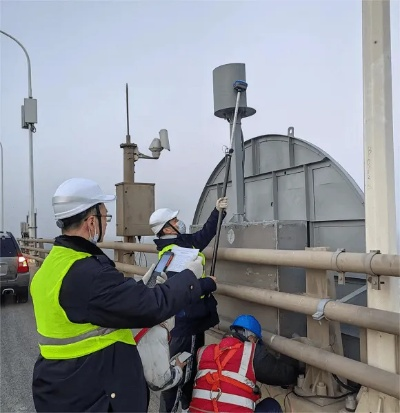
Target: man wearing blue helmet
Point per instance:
(227, 372)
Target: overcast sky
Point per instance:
(303, 64)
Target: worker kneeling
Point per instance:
(228, 371)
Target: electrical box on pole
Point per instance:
(135, 204)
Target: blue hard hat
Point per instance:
(249, 323)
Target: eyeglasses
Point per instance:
(108, 217)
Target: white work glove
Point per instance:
(196, 267)
(160, 278)
(222, 203)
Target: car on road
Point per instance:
(14, 269)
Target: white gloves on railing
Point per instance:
(222, 203)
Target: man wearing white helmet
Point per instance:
(195, 319)
(85, 310)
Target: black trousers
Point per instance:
(268, 405)
(168, 397)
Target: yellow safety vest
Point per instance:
(169, 248)
(59, 338)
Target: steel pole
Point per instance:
(32, 217)
(28, 60)
(380, 207)
(129, 159)
(379, 188)
(32, 223)
(2, 189)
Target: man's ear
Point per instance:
(90, 221)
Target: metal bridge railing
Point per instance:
(373, 263)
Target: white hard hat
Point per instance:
(160, 217)
(77, 195)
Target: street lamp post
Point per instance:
(29, 118)
(2, 189)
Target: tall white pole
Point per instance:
(380, 210)
(32, 223)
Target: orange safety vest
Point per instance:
(225, 379)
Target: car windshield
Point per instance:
(7, 248)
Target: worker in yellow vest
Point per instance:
(85, 310)
(195, 319)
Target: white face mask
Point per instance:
(95, 238)
(181, 227)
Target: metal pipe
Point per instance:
(2, 189)
(28, 60)
(228, 159)
(361, 373)
(34, 257)
(131, 247)
(36, 249)
(43, 240)
(32, 217)
(305, 351)
(373, 377)
(128, 136)
(372, 318)
(131, 269)
(382, 264)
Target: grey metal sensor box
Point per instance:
(30, 110)
(135, 204)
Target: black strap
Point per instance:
(98, 214)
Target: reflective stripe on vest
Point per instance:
(244, 364)
(224, 398)
(236, 376)
(100, 331)
(59, 338)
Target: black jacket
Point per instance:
(199, 316)
(274, 370)
(94, 291)
(271, 369)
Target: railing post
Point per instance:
(41, 254)
(120, 256)
(322, 334)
